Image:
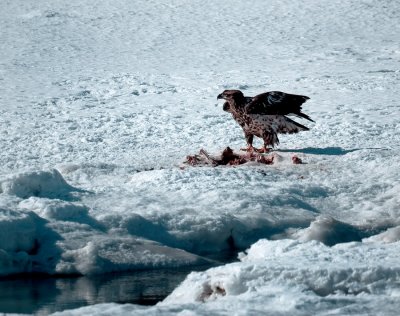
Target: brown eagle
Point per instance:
(264, 115)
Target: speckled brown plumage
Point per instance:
(264, 115)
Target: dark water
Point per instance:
(43, 295)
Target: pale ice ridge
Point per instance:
(310, 268)
(47, 231)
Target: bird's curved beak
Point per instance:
(220, 96)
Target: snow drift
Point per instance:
(48, 184)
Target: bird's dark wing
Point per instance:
(277, 103)
(247, 100)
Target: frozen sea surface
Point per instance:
(100, 104)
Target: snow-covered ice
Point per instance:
(100, 104)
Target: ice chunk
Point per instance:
(18, 230)
(329, 231)
(48, 184)
(21, 235)
(306, 272)
(110, 254)
(390, 235)
(58, 210)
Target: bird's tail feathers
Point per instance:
(291, 127)
(300, 114)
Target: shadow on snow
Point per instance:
(329, 151)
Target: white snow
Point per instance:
(48, 184)
(100, 104)
(45, 233)
(311, 269)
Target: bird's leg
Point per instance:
(269, 139)
(250, 148)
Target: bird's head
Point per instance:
(231, 95)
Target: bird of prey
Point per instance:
(265, 115)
